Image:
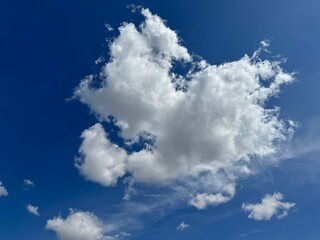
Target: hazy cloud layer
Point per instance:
(209, 123)
(271, 205)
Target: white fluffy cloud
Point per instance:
(3, 190)
(201, 201)
(271, 205)
(33, 209)
(96, 147)
(212, 120)
(182, 226)
(78, 225)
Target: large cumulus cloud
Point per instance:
(212, 121)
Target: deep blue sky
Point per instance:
(47, 47)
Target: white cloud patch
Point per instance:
(3, 191)
(182, 226)
(78, 225)
(212, 121)
(271, 205)
(33, 209)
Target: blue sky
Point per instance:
(48, 47)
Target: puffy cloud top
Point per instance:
(211, 121)
(78, 225)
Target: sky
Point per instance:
(159, 119)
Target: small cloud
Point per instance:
(182, 226)
(27, 183)
(33, 209)
(271, 205)
(109, 27)
(3, 190)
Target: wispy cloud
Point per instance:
(182, 226)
